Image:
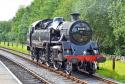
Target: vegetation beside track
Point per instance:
(15, 46)
(117, 74)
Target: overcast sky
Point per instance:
(8, 8)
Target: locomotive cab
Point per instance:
(55, 31)
(57, 21)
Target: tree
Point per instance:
(117, 21)
(5, 27)
(106, 17)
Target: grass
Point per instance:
(117, 74)
(15, 47)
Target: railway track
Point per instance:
(54, 77)
(79, 77)
(19, 71)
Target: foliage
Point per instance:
(5, 27)
(64, 9)
(117, 21)
(106, 17)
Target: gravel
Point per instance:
(24, 76)
(52, 77)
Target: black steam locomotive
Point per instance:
(63, 44)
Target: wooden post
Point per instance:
(4, 42)
(12, 44)
(22, 44)
(113, 62)
(8, 43)
(17, 44)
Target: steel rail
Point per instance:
(61, 73)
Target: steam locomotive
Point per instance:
(66, 45)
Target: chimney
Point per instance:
(74, 16)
